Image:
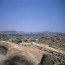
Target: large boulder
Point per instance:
(14, 54)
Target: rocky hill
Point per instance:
(57, 41)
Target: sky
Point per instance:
(32, 15)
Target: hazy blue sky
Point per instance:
(32, 15)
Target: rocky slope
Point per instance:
(55, 41)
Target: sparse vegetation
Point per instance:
(57, 41)
(26, 40)
(33, 40)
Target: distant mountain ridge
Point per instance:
(8, 32)
(33, 34)
(46, 33)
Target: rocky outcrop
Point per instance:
(13, 54)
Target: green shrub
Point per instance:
(33, 40)
(26, 40)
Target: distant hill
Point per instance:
(8, 32)
(31, 34)
(47, 33)
(11, 32)
(42, 34)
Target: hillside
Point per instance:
(58, 41)
(42, 48)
